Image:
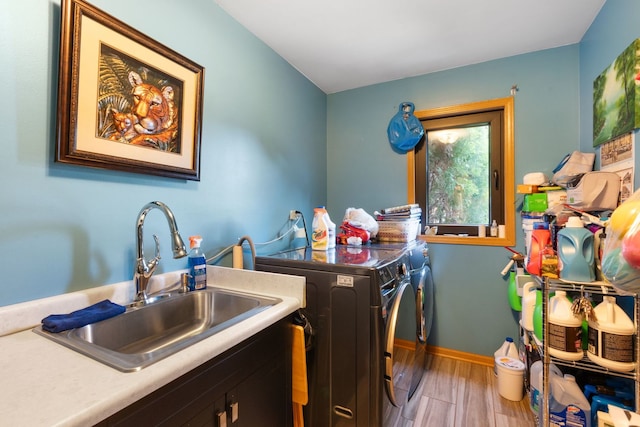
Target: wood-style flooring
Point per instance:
(455, 393)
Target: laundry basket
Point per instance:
(398, 231)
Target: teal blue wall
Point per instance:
(613, 30)
(64, 228)
(472, 311)
(271, 142)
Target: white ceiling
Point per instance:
(345, 44)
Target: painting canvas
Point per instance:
(616, 93)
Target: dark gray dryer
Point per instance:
(353, 301)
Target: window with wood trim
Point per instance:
(463, 171)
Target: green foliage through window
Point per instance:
(458, 176)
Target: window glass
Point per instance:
(462, 172)
(458, 176)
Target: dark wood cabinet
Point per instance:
(248, 385)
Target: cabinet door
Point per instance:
(255, 375)
(262, 398)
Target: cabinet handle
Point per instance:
(234, 412)
(222, 419)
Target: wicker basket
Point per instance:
(398, 231)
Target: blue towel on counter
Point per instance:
(92, 314)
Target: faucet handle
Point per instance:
(154, 262)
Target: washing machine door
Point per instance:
(398, 381)
(423, 298)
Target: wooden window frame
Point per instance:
(508, 170)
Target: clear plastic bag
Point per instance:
(621, 252)
(571, 166)
(404, 130)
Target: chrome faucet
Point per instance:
(143, 269)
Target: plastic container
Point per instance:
(600, 404)
(549, 262)
(540, 238)
(537, 319)
(536, 381)
(537, 315)
(615, 391)
(331, 227)
(493, 230)
(611, 337)
(576, 252)
(507, 349)
(529, 296)
(320, 233)
(603, 420)
(197, 265)
(565, 329)
(512, 292)
(528, 224)
(510, 378)
(567, 404)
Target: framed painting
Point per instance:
(125, 101)
(616, 96)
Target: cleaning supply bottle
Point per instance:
(331, 230)
(197, 265)
(529, 297)
(536, 382)
(565, 329)
(540, 238)
(567, 404)
(576, 252)
(320, 233)
(611, 337)
(493, 230)
(507, 349)
(515, 301)
(549, 263)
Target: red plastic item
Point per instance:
(540, 238)
(349, 230)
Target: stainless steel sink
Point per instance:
(143, 335)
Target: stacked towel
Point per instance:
(92, 314)
(397, 213)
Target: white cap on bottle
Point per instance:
(574, 222)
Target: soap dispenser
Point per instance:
(493, 230)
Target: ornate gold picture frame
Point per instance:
(125, 101)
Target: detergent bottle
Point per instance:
(540, 238)
(529, 297)
(536, 381)
(331, 230)
(565, 329)
(576, 252)
(611, 337)
(512, 292)
(507, 349)
(567, 404)
(320, 233)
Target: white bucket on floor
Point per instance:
(510, 378)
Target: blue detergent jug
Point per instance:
(576, 252)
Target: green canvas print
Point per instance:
(616, 92)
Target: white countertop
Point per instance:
(47, 384)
